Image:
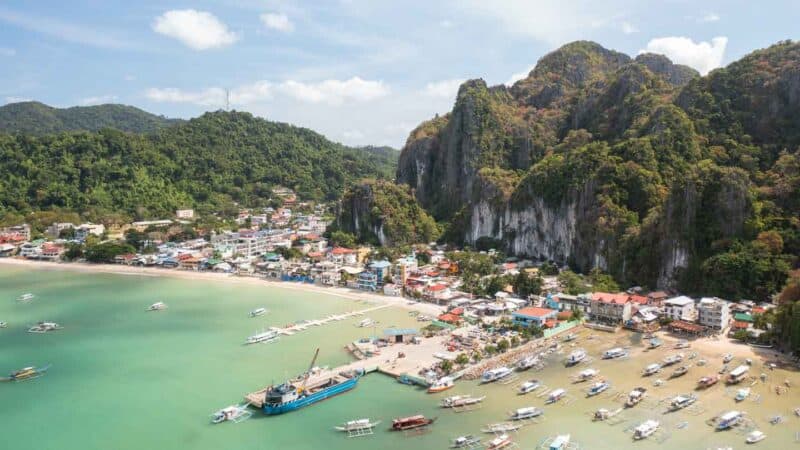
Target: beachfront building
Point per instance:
(534, 316)
(56, 228)
(381, 269)
(245, 243)
(656, 298)
(610, 308)
(400, 335)
(713, 313)
(680, 308)
(84, 230)
(367, 281)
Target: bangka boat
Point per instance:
(527, 362)
(682, 401)
(44, 327)
(651, 369)
(499, 442)
(560, 442)
(729, 419)
(672, 359)
(460, 400)
(645, 429)
(655, 343)
(635, 397)
(707, 381)
(233, 413)
(25, 297)
(726, 358)
(258, 312)
(440, 385)
(597, 388)
(157, 306)
(27, 373)
(526, 413)
(683, 343)
(679, 372)
(423, 318)
(465, 441)
(264, 336)
(495, 374)
(615, 353)
(604, 413)
(556, 395)
(587, 374)
(356, 425)
(3, 324)
(742, 394)
(502, 427)
(755, 436)
(774, 420)
(411, 422)
(575, 357)
(528, 386)
(366, 322)
(570, 337)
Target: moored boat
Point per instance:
(233, 413)
(755, 436)
(654, 343)
(528, 386)
(356, 425)
(575, 357)
(44, 327)
(615, 353)
(682, 401)
(465, 441)
(502, 427)
(26, 373)
(527, 362)
(635, 397)
(499, 442)
(526, 413)
(366, 322)
(726, 358)
(586, 374)
(560, 442)
(683, 343)
(460, 400)
(651, 369)
(264, 336)
(645, 429)
(3, 324)
(729, 419)
(495, 374)
(157, 306)
(679, 372)
(672, 359)
(570, 337)
(442, 384)
(26, 297)
(738, 374)
(258, 312)
(742, 394)
(556, 395)
(411, 422)
(597, 388)
(707, 381)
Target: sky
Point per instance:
(358, 71)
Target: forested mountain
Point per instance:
(212, 163)
(639, 167)
(36, 118)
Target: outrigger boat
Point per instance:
(729, 419)
(495, 374)
(264, 336)
(499, 442)
(635, 397)
(528, 386)
(157, 306)
(727, 358)
(442, 384)
(707, 381)
(683, 343)
(233, 413)
(44, 327)
(615, 353)
(560, 442)
(3, 324)
(597, 388)
(258, 312)
(575, 357)
(411, 422)
(570, 337)
(356, 425)
(527, 362)
(27, 373)
(587, 374)
(502, 427)
(556, 395)
(655, 343)
(457, 401)
(755, 436)
(682, 401)
(25, 297)
(603, 414)
(651, 369)
(465, 441)
(366, 322)
(645, 429)
(672, 359)
(526, 413)
(679, 372)
(742, 394)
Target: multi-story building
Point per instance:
(56, 228)
(713, 313)
(610, 308)
(246, 243)
(185, 214)
(84, 230)
(680, 308)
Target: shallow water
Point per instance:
(124, 378)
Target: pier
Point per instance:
(304, 325)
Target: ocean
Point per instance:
(124, 378)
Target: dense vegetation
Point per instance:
(213, 163)
(34, 118)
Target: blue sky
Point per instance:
(359, 71)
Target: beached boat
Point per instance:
(651, 369)
(570, 337)
(587, 374)
(655, 343)
(556, 395)
(423, 318)
(683, 343)
(672, 359)
(290, 396)
(442, 384)
(26, 297)
(357, 425)
(635, 397)
(528, 386)
(411, 422)
(460, 400)
(682, 401)
(615, 353)
(645, 429)
(157, 306)
(774, 420)
(499, 442)
(526, 413)
(597, 388)
(575, 357)
(755, 436)
(679, 372)
(44, 327)
(233, 413)
(527, 362)
(729, 419)
(495, 374)
(603, 414)
(738, 374)
(264, 336)
(726, 358)
(707, 381)
(742, 394)
(366, 322)
(560, 442)
(258, 312)
(27, 373)
(467, 441)
(502, 427)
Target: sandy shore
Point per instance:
(400, 302)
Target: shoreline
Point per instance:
(115, 269)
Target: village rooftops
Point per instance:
(679, 301)
(617, 299)
(342, 251)
(533, 311)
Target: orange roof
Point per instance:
(342, 251)
(447, 317)
(640, 299)
(739, 325)
(564, 315)
(550, 323)
(758, 310)
(533, 311)
(457, 311)
(437, 287)
(605, 297)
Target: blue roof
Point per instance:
(399, 331)
(380, 264)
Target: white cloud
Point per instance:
(15, 99)
(446, 24)
(98, 100)
(198, 30)
(335, 92)
(710, 17)
(628, 28)
(443, 89)
(214, 97)
(277, 21)
(703, 56)
(6, 51)
(518, 76)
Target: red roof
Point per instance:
(314, 254)
(451, 318)
(564, 315)
(758, 310)
(457, 311)
(437, 287)
(605, 297)
(640, 299)
(342, 251)
(510, 265)
(533, 311)
(740, 325)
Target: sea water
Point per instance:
(124, 378)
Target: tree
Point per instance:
(548, 269)
(446, 366)
(741, 335)
(462, 359)
(73, 252)
(526, 285)
(343, 239)
(106, 251)
(572, 282)
(514, 341)
(67, 233)
(490, 349)
(577, 314)
(503, 345)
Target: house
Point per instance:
(31, 249)
(246, 243)
(7, 249)
(713, 313)
(610, 308)
(56, 228)
(436, 292)
(533, 315)
(145, 224)
(185, 214)
(84, 230)
(656, 298)
(381, 269)
(680, 308)
(343, 256)
(50, 250)
(400, 335)
(367, 281)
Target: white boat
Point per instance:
(367, 322)
(587, 374)
(682, 401)
(672, 359)
(258, 312)
(467, 441)
(495, 374)
(636, 396)
(615, 353)
(527, 362)
(742, 394)
(442, 384)
(729, 419)
(561, 442)
(576, 357)
(502, 427)
(25, 297)
(157, 306)
(683, 343)
(726, 358)
(44, 327)
(233, 413)
(651, 369)
(423, 318)
(597, 388)
(529, 386)
(755, 436)
(570, 337)
(460, 400)
(356, 425)
(526, 413)
(499, 442)
(265, 336)
(645, 429)
(556, 395)
(603, 413)
(3, 324)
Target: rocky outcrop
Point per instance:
(674, 74)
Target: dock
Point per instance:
(304, 325)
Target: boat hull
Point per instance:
(310, 399)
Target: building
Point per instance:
(367, 281)
(534, 316)
(245, 243)
(610, 308)
(185, 214)
(656, 298)
(713, 313)
(84, 230)
(56, 228)
(680, 308)
(145, 224)
(400, 335)
(51, 251)
(382, 270)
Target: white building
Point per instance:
(184, 214)
(713, 313)
(86, 229)
(246, 243)
(680, 308)
(56, 228)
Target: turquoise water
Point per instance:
(123, 378)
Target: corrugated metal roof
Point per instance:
(399, 331)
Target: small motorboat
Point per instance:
(672, 359)
(683, 343)
(651, 369)
(357, 425)
(742, 394)
(26, 297)
(729, 419)
(264, 336)
(679, 372)
(366, 322)
(615, 353)
(499, 442)
(457, 401)
(707, 381)
(797, 412)
(44, 327)
(570, 337)
(440, 385)
(774, 420)
(755, 436)
(495, 374)
(423, 318)
(526, 413)
(575, 357)
(682, 401)
(726, 358)
(645, 429)
(157, 306)
(3, 324)
(586, 374)
(635, 397)
(502, 427)
(233, 413)
(27, 373)
(465, 441)
(603, 414)
(528, 386)
(597, 388)
(528, 362)
(258, 312)
(411, 422)
(655, 343)
(560, 442)
(556, 395)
